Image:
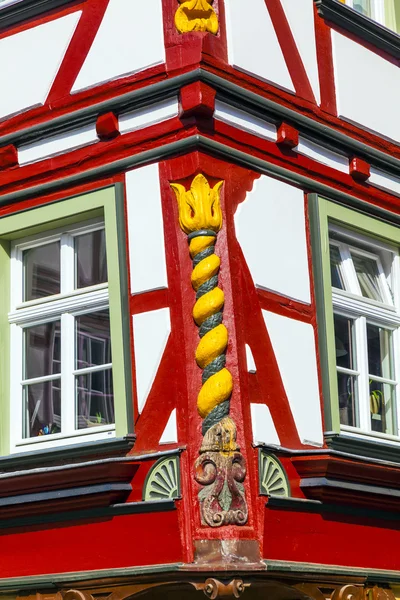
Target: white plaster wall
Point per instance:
(130, 39)
(29, 62)
(323, 155)
(300, 16)
(251, 365)
(239, 118)
(148, 115)
(264, 431)
(148, 269)
(270, 227)
(384, 180)
(367, 87)
(170, 433)
(150, 333)
(57, 144)
(247, 22)
(294, 346)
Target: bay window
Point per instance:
(61, 332)
(63, 274)
(365, 324)
(356, 265)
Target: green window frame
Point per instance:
(108, 204)
(324, 213)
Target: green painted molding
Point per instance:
(323, 297)
(55, 580)
(5, 345)
(370, 575)
(119, 311)
(322, 212)
(367, 447)
(109, 203)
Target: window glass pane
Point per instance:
(336, 274)
(348, 401)
(344, 342)
(91, 262)
(382, 407)
(42, 408)
(363, 7)
(94, 399)
(42, 350)
(368, 276)
(93, 342)
(41, 271)
(379, 351)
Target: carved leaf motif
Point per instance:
(199, 207)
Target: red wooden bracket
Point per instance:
(197, 99)
(288, 136)
(107, 126)
(8, 157)
(360, 170)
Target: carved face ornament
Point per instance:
(196, 15)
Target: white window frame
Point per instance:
(65, 306)
(353, 305)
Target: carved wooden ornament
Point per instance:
(221, 468)
(196, 15)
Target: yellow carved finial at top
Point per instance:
(199, 207)
(196, 15)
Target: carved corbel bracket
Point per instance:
(214, 589)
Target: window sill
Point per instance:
(360, 25)
(40, 457)
(15, 11)
(367, 446)
(58, 440)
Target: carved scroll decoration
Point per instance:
(196, 15)
(215, 589)
(221, 468)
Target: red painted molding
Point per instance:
(8, 157)
(107, 126)
(360, 169)
(197, 99)
(288, 136)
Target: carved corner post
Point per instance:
(196, 15)
(221, 468)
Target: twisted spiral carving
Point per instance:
(220, 468)
(217, 384)
(200, 218)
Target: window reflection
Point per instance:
(91, 264)
(41, 271)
